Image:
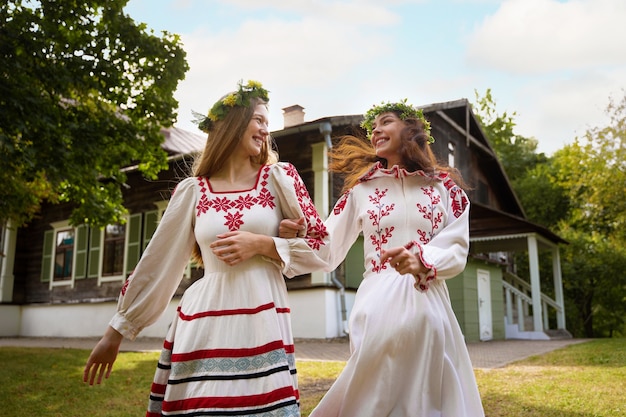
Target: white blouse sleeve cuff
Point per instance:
(125, 327)
(422, 279)
(282, 247)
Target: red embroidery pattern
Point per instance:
(429, 212)
(244, 202)
(266, 199)
(341, 203)
(369, 174)
(203, 204)
(125, 286)
(234, 219)
(234, 209)
(381, 236)
(308, 208)
(220, 204)
(458, 197)
(423, 281)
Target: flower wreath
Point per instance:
(240, 98)
(402, 109)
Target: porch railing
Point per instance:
(518, 303)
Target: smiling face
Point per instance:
(386, 137)
(256, 133)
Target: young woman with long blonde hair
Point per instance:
(230, 349)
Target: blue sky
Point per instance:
(556, 64)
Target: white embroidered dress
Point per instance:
(229, 351)
(408, 355)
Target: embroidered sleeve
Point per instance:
(148, 291)
(344, 226)
(445, 254)
(308, 252)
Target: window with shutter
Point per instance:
(64, 252)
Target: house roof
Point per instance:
(489, 227)
(179, 141)
(459, 115)
(485, 222)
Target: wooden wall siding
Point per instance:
(28, 288)
(478, 164)
(467, 160)
(463, 291)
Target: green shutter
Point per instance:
(150, 222)
(133, 242)
(81, 246)
(95, 240)
(48, 253)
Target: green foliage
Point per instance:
(593, 172)
(574, 194)
(545, 202)
(593, 282)
(515, 152)
(85, 92)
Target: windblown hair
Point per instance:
(355, 155)
(223, 138)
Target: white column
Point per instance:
(558, 288)
(535, 283)
(509, 306)
(320, 195)
(521, 322)
(7, 252)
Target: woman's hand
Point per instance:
(289, 228)
(403, 261)
(236, 247)
(103, 355)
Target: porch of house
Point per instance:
(519, 320)
(529, 312)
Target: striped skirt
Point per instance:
(221, 358)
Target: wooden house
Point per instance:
(63, 281)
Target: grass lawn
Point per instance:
(581, 380)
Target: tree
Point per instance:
(530, 172)
(516, 153)
(545, 202)
(578, 194)
(593, 171)
(84, 91)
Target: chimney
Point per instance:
(293, 115)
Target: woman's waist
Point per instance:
(213, 264)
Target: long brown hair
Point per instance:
(355, 155)
(223, 138)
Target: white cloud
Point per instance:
(558, 63)
(337, 58)
(303, 58)
(557, 110)
(361, 12)
(537, 36)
